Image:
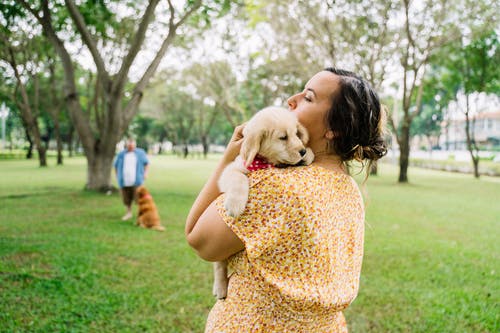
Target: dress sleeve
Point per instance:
(268, 214)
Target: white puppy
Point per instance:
(273, 137)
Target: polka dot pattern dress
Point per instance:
(303, 233)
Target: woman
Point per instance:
(296, 251)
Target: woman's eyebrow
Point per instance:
(312, 90)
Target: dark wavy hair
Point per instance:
(357, 119)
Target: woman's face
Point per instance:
(312, 105)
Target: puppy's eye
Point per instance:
(284, 137)
(299, 134)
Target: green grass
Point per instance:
(67, 262)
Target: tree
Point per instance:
(56, 105)
(477, 66)
(97, 26)
(439, 90)
(174, 109)
(215, 84)
(423, 33)
(26, 67)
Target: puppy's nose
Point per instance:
(302, 152)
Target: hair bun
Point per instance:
(376, 150)
(372, 152)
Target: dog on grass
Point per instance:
(273, 137)
(148, 216)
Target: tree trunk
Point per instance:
(471, 144)
(42, 150)
(71, 132)
(77, 145)
(29, 153)
(99, 172)
(59, 141)
(42, 154)
(29, 118)
(33, 133)
(475, 161)
(205, 144)
(404, 154)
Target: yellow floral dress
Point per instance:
(303, 233)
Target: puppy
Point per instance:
(273, 137)
(148, 216)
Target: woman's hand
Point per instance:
(234, 146)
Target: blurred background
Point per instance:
(78, 77)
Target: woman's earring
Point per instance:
(329, 135)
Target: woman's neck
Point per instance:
(329, 161)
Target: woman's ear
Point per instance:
(330, 135)
(251, 146)
(302, 133)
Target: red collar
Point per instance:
(259, 163)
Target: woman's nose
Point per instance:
(292, 104)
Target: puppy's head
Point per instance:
(275, 134)
(141, 191)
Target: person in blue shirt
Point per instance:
(131, 168)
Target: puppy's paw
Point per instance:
(220, 288)
(235, 205)
(308, 157)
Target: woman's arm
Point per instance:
(205, 230)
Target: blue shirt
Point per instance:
(142, 161)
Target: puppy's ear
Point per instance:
(302, 133)
(251, 146)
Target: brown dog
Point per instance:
(148, 216)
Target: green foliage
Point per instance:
(173, 109)
(482, 57)
(438, 91)
(428, 122)
(11, 12)
(209, 11)
(146, 130)
(97, 14)
(472, 66)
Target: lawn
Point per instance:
(68, 263)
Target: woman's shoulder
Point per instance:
(297, 175)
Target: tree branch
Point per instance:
(31, 10)
(132, 105)
(15, 99)
(88, 40)
(418, 103)
(56, 102)
(71, 93)
(195, 7)
(135, 47)
(393, 126)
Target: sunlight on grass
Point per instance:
(67, 261)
